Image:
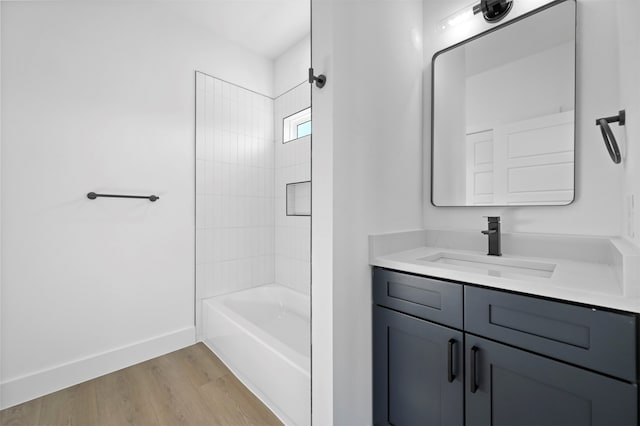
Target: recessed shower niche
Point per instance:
(299, 199)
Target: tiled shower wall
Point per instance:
(244, 237)
(292, 164)
(234, 189)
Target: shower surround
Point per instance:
(234, 189)
(247, 248)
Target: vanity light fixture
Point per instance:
(493, 10)
(457, 17)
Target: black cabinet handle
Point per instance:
(472, 380)
(450, 375)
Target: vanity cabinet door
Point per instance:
(417, 371)
(507, 386)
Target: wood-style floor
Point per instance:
(187, 387)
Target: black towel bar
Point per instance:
(93, 196)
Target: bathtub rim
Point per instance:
(298, 361)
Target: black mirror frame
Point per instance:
(482, 34)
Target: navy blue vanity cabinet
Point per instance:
(508, 386)
(520, 359)
(417, 364)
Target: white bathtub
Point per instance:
(263, 336)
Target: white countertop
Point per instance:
(590, 283)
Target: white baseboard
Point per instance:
(26, 388)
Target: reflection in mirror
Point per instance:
(503, 114)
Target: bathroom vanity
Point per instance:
(460, 337)
(534, 329)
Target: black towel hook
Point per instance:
(320, 80)
(609, 139)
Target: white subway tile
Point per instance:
(224, 272)
(226, 113)
(216, 274)
(216, 184)
(225, 216)
(217, 249)
(209, 85)
(209, 279)
(226, 87)
(200, 83)
(242, 149)
(200, 177)
(209, 178)
(233, 148)
(233, 115)
(201, 249)
(210, 244)
(200, 212)
(232, 277)
(233, 91)
(224, 243)
(200, 279)
(247, 171)
(243, 274)
(270, 267)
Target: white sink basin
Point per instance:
(490, 265)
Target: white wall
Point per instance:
(234, 189)
(99, 97)
(366, 172)
(322, 316)
(290, 68)
(598, 180)
(292, 164)
(629, 38)
(1, 184)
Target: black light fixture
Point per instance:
(493, 10)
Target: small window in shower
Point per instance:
(304, 129)
(296, 126)
(299, 199)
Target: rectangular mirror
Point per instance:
(503, 108)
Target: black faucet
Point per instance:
(494, 235)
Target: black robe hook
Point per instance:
(609, 139)
(320, 80)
